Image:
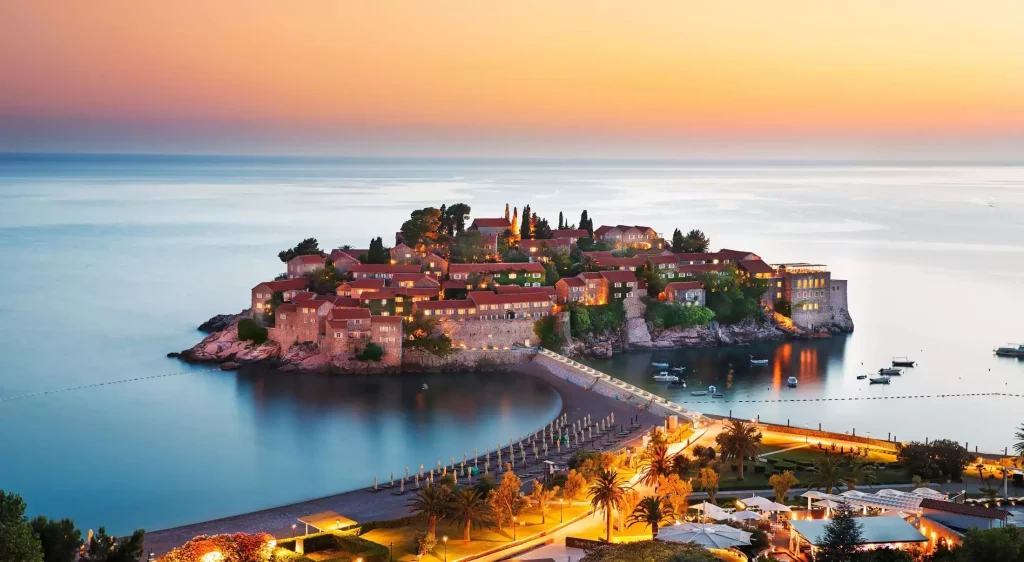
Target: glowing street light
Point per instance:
(444, 539)
(560, 503)
(514, 523)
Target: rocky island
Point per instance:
(483, 294)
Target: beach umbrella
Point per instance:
(746, 515)
(758, 502)
(708, 536)
(776, 508)
(830, 504)
(711, 511)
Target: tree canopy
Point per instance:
(377, 252)
(424, 228)
(842, 536)
(60, 539)
(695, 241)
(106, 548)
(308, 247)
(18, 542)
(454, 218)
(733, 297)
(468, 247)
(650, 551)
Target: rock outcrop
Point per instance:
(221, 322)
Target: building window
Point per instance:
(511, 275)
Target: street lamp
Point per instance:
(444, 539)
(514, 523)
(391, 551)
(560, 502)
(293, 529)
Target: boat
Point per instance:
(679, 382)
(677, 369)
(657, 365)
(791, 381)
(718, 395)
(902, 362)
(758, 360)
(880, 379)
(665, 377)
(1010, 350)
(861, 377)
(425, 387)
(699, 393)
(890, 371)
(712, 389)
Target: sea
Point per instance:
(112, 261)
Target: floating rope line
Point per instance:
(907, 397)
(94, 385)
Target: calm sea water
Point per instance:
(110, 262)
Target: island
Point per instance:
(486, 293)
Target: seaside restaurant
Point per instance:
(876, 532)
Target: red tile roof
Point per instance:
(491, 223)
(506, 289)
(660, 259)
(736, 254)
(303, 296)
(387, 319)
(453, 285)
(312, 304)
(601, 230)
(964, 509)
(695, 256)
(494, 267)
(286, 307)
(441, 305)
(701, 268)
(636, 261)
(416, 291)
(383, 268)
(346, 313)
(546, 289)
(414, 277)
(287, 285)
(377, 295)
(754, 267)
(545, 243)
(338, 254)
(487, 297)
(364, 284)
(590, 275)
(572, 282)
(619, 276)
(308, 259)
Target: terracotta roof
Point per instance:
(364, 283)
(756, 266)
(377, 295)
(487, 297)
(414, 277)
(287, 285)
(601, 230)
(312, 304)
(383, 268)
(346, 255)
(695, 256)
(570, 233)
(590, 275)
(416, 291)
(964, 509)
(494, 267)
(348, 313)
(572, 282)
(636, 261)
(544, 243)
(440, 305)
(683, 286)
(735, 254)
(286, 307)
(659, 259)
(338, 301)
(619, 276)
(491, 223)
(303, 296)
(701, 268)
(600, 255)
(308, 259)
(506, 289)
(387, 319)
(453, 285)
(546, 289)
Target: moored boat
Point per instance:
(677, 369)
(902, 362)
(880, 379)
(699, 393)
(1010, 350)
(755, 360)
(712, 389)
(658, 365)
(665, 377)
(890, 371)
(861, 377)
(718, 395)
(792, 382)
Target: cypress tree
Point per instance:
(842, 536)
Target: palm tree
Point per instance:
(857, 470)
(681, 464)
(430, 502)
(827, 473)
(606, 494)
(739, 440)
(1018, 446)
(469, 509)
(652, 511)
(657, 463)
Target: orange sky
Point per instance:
(328, 73)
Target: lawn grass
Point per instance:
(404, 538)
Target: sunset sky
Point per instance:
(674, 78)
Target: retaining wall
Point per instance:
(465, 359)
(477, 334)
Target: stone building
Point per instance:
(301, 265)
(491, 226)
(686, 292)
(570, 290)
(264, 292)
(380, 270)
(620, 284)
(628, 236)
(343, 259)
(531, 274)
(357, 287)
(570, 235)
(538, 250)
(487, 305)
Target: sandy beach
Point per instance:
(362, 505)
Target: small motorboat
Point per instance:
(791, 381)
(657, 365)
(861, 377)
(677, 369)
(665, 377)
(425, 387)
(1010, 350)
(718, 395)
(902, 362)
(891, 371)
(699, 393)
(712, 389)
(678, 382)
(758, 360)
(880, 379)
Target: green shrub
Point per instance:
(545, 331)
(389, 523)
(250, 330)
(678, 315)
(759, 468)
(372, 352)
(784, 307)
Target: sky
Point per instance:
(794, 79)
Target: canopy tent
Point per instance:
(326, 521)
(889, 500)
(929, 493)
(711, 510)
(746, 515)
(873, 530)
(708, 536)
(830, 504)
(776, 507)
(891, 513)
(758, 502)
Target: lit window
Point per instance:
(511, 275)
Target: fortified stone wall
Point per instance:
(482, 334)
(838, 288)
(477, 360)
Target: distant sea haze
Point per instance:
(110, 262)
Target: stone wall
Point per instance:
(476, 360)
(838, 288)
(870, 441)
(478, 334)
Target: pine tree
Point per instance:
(561, 221)
(515, 221)
(678, 242)
(842, 536)
(586, 224)
(506, 211)
(524, 229)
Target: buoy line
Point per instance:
(98, 384)
(906, 397)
